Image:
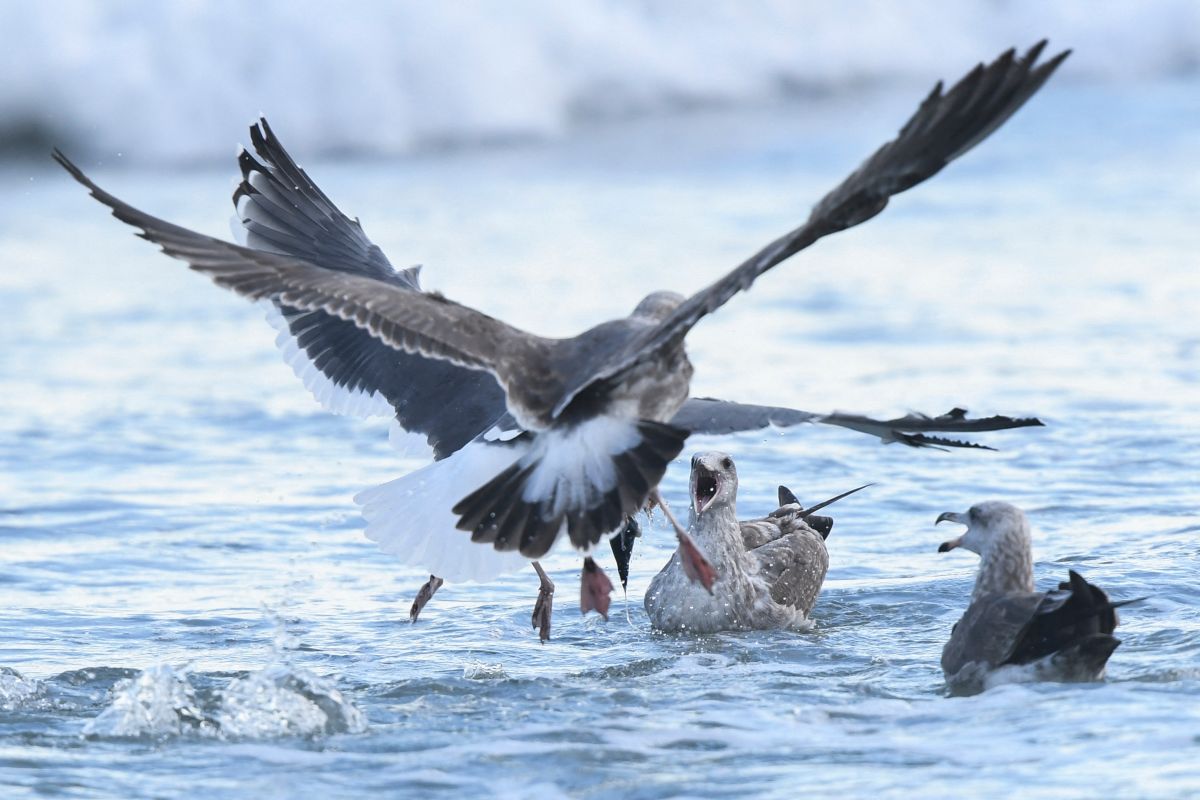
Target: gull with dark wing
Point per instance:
(279, 209)
(593, 411)
(1010, 632)
(769, 570)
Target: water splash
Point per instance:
(160, 701)
(483, 671)
(16, 690)
(279, 700)
(285, 701)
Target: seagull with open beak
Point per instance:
(1010, 632)
(769, 570)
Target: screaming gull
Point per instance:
(769, 570)
(1009, 631)
(593, 412)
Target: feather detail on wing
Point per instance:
(705, 415)
(794, 566)
(944, 126)
(281, 210)
(410, 321)
(411, 518)
(913, 429)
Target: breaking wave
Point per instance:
(180, 81)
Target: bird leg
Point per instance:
(594, 589)
(695, 565)
(544, 606)
(424, 595)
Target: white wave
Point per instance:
(390, 77)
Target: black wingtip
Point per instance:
(78, 174)
(786, 497)
(936, 442)
(824, 503)
(70, 167)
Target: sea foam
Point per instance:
(179, 81)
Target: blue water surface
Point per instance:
(190, 607)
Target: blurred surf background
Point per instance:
(188, 606)
(176, 82)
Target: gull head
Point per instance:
(657, 306)
(987, 524)
(714, 482)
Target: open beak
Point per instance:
(706, 485)
(950, 516)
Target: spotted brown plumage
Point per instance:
(770, 569)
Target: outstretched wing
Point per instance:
(706, 415)
(711, 416)
(943, 128)
(280, 210)
(428, 325)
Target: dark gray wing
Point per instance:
(1076, 610)
(283, 211)
(913, 429)
(410, 321)
(794, 566)
(989, 630)
(280, 210)
(943, 128)
(710, 416)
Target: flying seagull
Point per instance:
(279, 209)
(1009, 629)
(593, 410)
(770, 570)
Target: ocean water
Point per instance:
(190, 607)
(172, 83)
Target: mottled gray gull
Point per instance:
(769, 570)
(593, 410)
(1010, 632)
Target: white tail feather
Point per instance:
(574, 467)
(411, 517)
